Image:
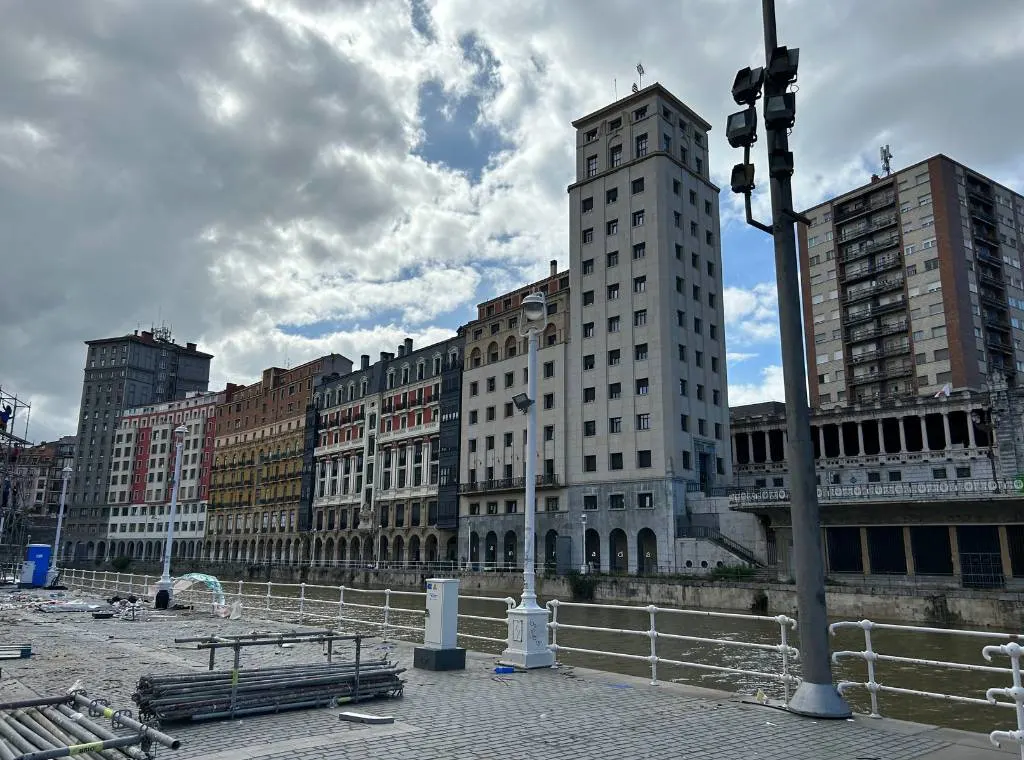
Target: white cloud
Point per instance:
(769, 389)
(751, 314)
(735, 357)
(243, 165)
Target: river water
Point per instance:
(322, 603)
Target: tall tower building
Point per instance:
(121, 373)
(912, 282)
(647, 356)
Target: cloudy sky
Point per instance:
(278, 179)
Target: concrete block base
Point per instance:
(439, 659)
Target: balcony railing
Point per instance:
(874, 310)
(877, 331)
(861, 292)
(883, 373)
(855, 208)
(890, 350)
(882, 264)
(853, 252)
(973, 188)
(508, 484)
(873, 224)
(984, 235)
(926, 489)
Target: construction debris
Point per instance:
(52, 727)
(236, 692)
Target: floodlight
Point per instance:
(780, 111)
(742, 180)
(780, 163)
(746, 88)
(741, 128)
(534, 309)
(783, 65)
(522, 402)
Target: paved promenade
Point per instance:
(564, 713)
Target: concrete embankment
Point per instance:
(942, 606)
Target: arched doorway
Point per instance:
(431, 548)
(474, 549)
(491, 549)
(510, 550)
(368, 552)
(329, 551)
(618, 551)
(383, 551)
(101, 551)
(414, 549)
(353, 550)
(593, 550)
(451, 552)
(398, 551)
(646, 552)
(551, 550)
(342, 550)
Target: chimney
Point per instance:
(190, 346)
(874, 178)
(401, 349)
(408, 345)
(364, 361)
(383, 356)
(554, 267)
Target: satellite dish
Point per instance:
(635, 88)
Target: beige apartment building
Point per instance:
(647, 338)
(912, 282)
(493, 447)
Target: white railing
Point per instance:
(785, 651)
(389, 612)
(870, 656)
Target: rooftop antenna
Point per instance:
(886, 155)
(615, 86)
(640, 71)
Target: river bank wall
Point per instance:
(957, 607)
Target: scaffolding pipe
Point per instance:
(120, 718)
(77, 725)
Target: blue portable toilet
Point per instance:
(40, 554)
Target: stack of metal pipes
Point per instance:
(40, 729)
(236, 693)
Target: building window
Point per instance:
(611, 196)
(587, 205)
(613, 292)
(590, 502)
(639, 251)
(642, 386)
(588, 297)
(588, 362)
(590, 463)
(588, 235)
(639, 284)
(612, 259)
(615, 461)
(591, 166)
(614, 324)
(639, 317)
(549, 400)
(638, 218)
(637, 185)
(641, 145)
(588, 267)
(549, 369)
(589, 428)
(614, 357)
(616, 501)
(615, 155)
(645, 500)
(588, 330)
(589, 395)
(643, 458)
(614, 424)
(640, 352)
(643, 422)
(614, 391)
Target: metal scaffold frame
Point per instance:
(15, 478)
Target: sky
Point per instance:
(277, 179)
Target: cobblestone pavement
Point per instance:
(563, 713)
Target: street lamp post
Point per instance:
(528, 623)
(986, 420)
(583, 544)
(51, 576)
(165, 584)
(816, 696)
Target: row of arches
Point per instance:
(610, 555)
(513, 346)
(103, 551)
(330, 551)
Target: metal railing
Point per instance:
(785, 651)
(388, 612)
(871, 657)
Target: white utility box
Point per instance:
(440, 650)
(442, 628)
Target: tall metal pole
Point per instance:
(529, 600)
(65, 473)
(165, 584)
(816, 695)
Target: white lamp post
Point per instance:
(583, 544)
(528, 623)
(165, 583)
(51, 576)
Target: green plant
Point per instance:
(732, 573)
(121, 564)
(582, 587)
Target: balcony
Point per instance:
(861, 292)
(882, 264)
(984, 235)
(853, 208)
(893, 349)
(980, 191)
(873, 224)
(993, 297)
(883, 373)
(982, 214)
(853, 252)
(874, 310)
(995, 322)
(508, 484)
(988, 278)
(996, 341)
(869, 333)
